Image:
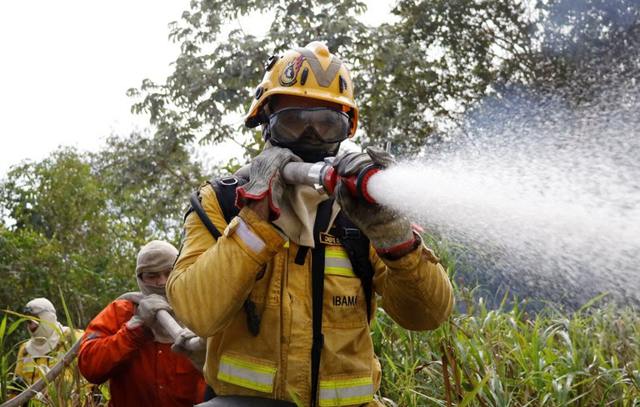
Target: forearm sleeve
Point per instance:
(415, 289)
(212, 278)
(107, 343)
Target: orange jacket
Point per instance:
(141, 372)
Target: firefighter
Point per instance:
(49, 340)
(126, 346)
(285, 289)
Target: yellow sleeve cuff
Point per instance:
(412, 259)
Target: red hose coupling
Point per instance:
(356, 184)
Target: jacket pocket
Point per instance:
(248, 372)
(185, 383)
(344, 300)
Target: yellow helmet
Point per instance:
(311, 72)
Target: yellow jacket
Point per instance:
(211, 281)
(31, 368)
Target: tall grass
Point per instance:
(7, 354)
(500, 357)
(480, 357)
(507, 358)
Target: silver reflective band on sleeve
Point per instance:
(335, 393)
(248, 237)
(246, 374)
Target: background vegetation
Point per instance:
(73, 222)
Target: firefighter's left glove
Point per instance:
(196, 356)
(265, 179)
(388, 231)
(146, 311)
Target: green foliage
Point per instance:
(7, 352)
(505, 357)
(587, 47)
(438, 59)
(148, 181)
(58, 197)
(406, 74)
(74, 222)
(60, 236)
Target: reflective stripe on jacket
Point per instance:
(211, 281)
(140, 372)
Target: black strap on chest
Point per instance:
(321, 224)
(356, 244)
(196, 206)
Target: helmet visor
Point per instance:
(317, 125)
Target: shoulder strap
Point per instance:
(225, 190)
(321, 224)
(356, 244)
(196, 205)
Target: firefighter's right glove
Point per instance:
(265, 179)
(146, 311)
(196, 356)
(388, 231)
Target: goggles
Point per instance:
(313, 126)
(31, 311)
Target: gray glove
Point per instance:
(149, 306)
(385, 227)
(196, 356)
(265, 179)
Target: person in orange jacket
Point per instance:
(126, 346)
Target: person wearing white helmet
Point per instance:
(47, 344)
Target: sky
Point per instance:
(65, 67)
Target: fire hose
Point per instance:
(168, 323)
(324, 178)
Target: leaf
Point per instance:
(469, 397)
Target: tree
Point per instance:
(74, 222)
(62, 235)
(402, 85)
(587, 47)
(148, 182)
(439, 59)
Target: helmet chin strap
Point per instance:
(311, 156)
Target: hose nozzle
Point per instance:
(324, 178)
